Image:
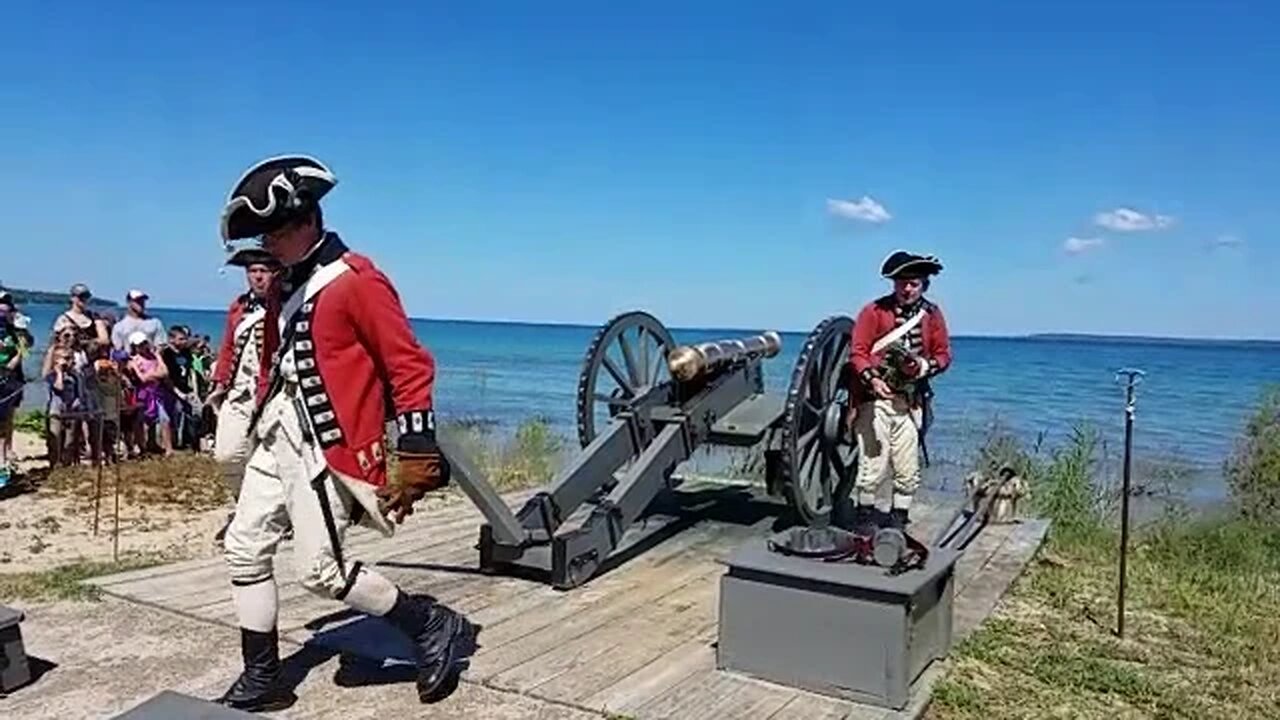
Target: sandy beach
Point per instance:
(52, 526)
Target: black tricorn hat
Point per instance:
(902, 264)
(244, 257)
(272, 193)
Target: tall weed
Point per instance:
(1253, 468)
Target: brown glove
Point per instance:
(417, 474)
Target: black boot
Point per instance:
(898, 518)
(435, 631)
(866, 520)
(258, 688)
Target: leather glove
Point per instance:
(417, 473)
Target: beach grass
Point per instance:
(528, 457)
(66, 582)
(183, 480)
(32, 421)
(1202, 620)
(192, 483)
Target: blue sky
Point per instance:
(564, 161)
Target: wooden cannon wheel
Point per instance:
(819, 460)
(626, 359)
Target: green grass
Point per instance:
(529, 458)
(1202, 633)
(31, 421)
(67, 581)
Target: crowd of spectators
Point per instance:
(117, 388)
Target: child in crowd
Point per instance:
(110, 388)
(149, 376)
(130, 418)
(66, 398)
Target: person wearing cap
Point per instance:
(235, 376)
(136, 319)
(152, 395)
(343, 360)
(15, 343)
(88, 326)
(900, 342)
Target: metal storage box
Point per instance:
(841, 629)
(170, 705)
(15, 671)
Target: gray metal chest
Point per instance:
(15, 671)
(170, 705)
(840, 629)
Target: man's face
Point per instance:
(290, 243)
(139, 306)
(260, 277)
(908, 290)
(80, 300)
(178, 339)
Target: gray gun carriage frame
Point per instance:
(644, 406)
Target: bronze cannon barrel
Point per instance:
(689, 361)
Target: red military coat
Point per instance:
(358, 364)
(234, 339)
(877, 319)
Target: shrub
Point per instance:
(529, 458)
(1066, 485)
(1253, 469)
(1003, 449)
(32, 421)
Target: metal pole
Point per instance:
(97, 484)
(115, 540)
(115, 532)
(1133, 377)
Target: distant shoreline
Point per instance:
(45, 297)
(1096, 338)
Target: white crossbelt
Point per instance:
(896, 334)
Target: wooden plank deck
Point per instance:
(638, 640)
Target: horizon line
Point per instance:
(1035, 335)
(1040, 334)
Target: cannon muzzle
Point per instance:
(689, 361)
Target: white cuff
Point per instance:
(901, 501)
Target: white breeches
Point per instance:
(277, 491)
(231, 445)
(888, 443)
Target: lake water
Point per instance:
(1190, 407)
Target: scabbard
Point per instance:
(322, 494)
(304, 420)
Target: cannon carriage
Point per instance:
(645, 405)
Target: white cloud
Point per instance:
(1130, 220)
(864, 209)
(1076, 246)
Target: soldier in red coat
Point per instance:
(343, 361)
(235, 375)
(899, 343)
